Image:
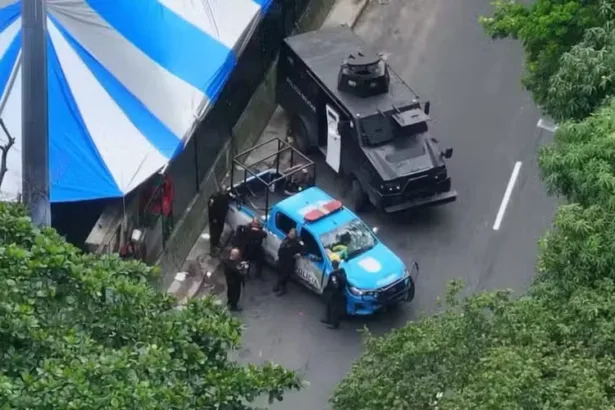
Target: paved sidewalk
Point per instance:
(201, 273)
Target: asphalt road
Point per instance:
(478, 108)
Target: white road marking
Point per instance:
(507, 194)
(547, 125)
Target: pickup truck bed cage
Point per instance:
(270, 180)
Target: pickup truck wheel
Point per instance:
(411, 291)
(299, 133)
(357, 198)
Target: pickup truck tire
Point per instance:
(299, 133)
(357, 198)
(411, 291)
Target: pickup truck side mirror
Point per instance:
(414, 273)
(447, 153)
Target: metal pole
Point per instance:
(196, 164)
(35, 142)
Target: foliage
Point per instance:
(549, 31)
(491, 352)
(579, 165)
(585, 77)
(86, 332)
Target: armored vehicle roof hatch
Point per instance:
(364, 75)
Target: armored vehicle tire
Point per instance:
(299, 133)
(357, 198)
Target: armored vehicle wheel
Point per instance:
(299, 135)
(357, 198)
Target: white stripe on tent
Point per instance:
(224, 20)
(129, 156)
(173, 101)
(4, 3)
(11, 114)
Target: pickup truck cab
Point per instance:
(376, 276)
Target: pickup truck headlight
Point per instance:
(359, 292)
(390, 188)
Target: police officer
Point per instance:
(290, 249)
(335, 296)
(297, 183)
(217, 209)
(254, 245)
(234, 279)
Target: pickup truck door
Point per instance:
(275, 236)
(334, 142)
(310, 273)
(271, 245)
(311, 267)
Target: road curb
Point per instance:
(361, 9)
(346, 12)
(343, 12)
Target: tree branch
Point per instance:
(4, 151)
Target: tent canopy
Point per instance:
(127, 83)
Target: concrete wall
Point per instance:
(248, 129)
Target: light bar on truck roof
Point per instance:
(323, 210)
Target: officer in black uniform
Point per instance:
(234, 279)
(254, 245)
(290, 249)
(217, 209)
(298, 182)
(335, 296)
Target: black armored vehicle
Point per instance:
(345, 101)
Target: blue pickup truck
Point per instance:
(376, 276)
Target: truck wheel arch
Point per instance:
(300, 132)
(357, 194)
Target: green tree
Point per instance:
(79, 331)
(550, 30)
(579, 164)
(585, 78)
(489, 351)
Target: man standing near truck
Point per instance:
(335, 296)
(217, 207)
(254, 246)
(234, 279)
(290, 249)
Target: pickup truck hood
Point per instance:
(374, 269)
(402, 157)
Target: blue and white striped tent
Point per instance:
(128, 82)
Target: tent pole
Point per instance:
(34, 140)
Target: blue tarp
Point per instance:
(128, 82)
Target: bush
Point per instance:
(79, 331)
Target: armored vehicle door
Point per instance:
(334, 142)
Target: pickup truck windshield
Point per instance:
(349, 240)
